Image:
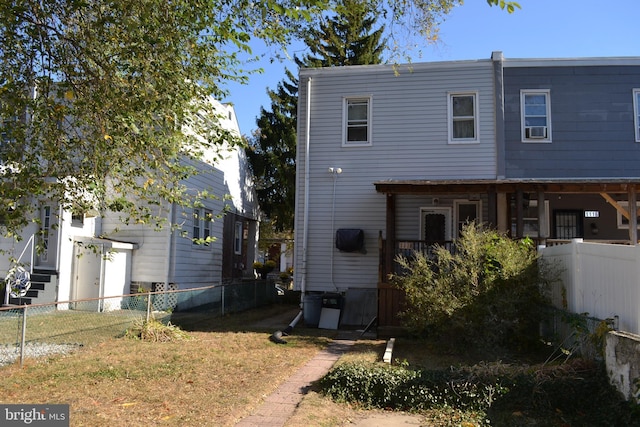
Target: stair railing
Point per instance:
(30, 242)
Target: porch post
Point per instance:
(542, 220)
(633, 216)
(503, 212)
(519, 213)
(391, 236)
(492, 201)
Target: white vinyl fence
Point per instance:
(600, 279)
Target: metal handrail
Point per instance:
(29, 242)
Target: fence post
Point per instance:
(148, 306)
(24, 334)
(222, 302)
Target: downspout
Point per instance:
(305, 230)
(276, 337)
(103, 272)
(334, 172)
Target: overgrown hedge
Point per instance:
(577, 392)
(490, 292)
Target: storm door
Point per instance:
(567, 224)
(436, 225)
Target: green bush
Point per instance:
(489, 292)
(387, 386)
(575, 393)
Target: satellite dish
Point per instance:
(19, 281)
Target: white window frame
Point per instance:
(622, 222)
(77, 219)
(523, 128)
(202, 219)
(197, 227)
(346, 101)
(636, 113)
(475, 117)
(237, 238)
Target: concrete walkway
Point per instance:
(282, 403)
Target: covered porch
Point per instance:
(508, 209)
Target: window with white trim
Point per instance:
(196, 225)
(623, 221)
(636, 113)
(356, 128)
(202, 219)
(237, 238)
(463, 117)
(535, 113)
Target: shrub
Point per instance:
(576, 393)
(387, 386)
(489, 292)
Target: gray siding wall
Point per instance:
(591, 118)
(410, 141)
(167, 256)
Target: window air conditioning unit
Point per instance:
(536, 132)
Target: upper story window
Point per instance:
(535, 110)
(636, 113)
(357, 121)
(7, 131)
(463, 117)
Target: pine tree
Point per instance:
(272, 155)
(346, 39)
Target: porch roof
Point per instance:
(530, 185)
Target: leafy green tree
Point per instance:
(347, 38)
(272, 155)
(101, 99)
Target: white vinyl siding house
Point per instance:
(176, 257)
(409, 126)
(150, 257)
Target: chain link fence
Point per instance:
(576, 333)
(42, 329)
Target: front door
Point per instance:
(47, 238)
(435, 225)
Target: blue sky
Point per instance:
(541, 29)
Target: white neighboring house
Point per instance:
(73, 266)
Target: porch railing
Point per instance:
(407, 248)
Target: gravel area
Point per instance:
(11, 353)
